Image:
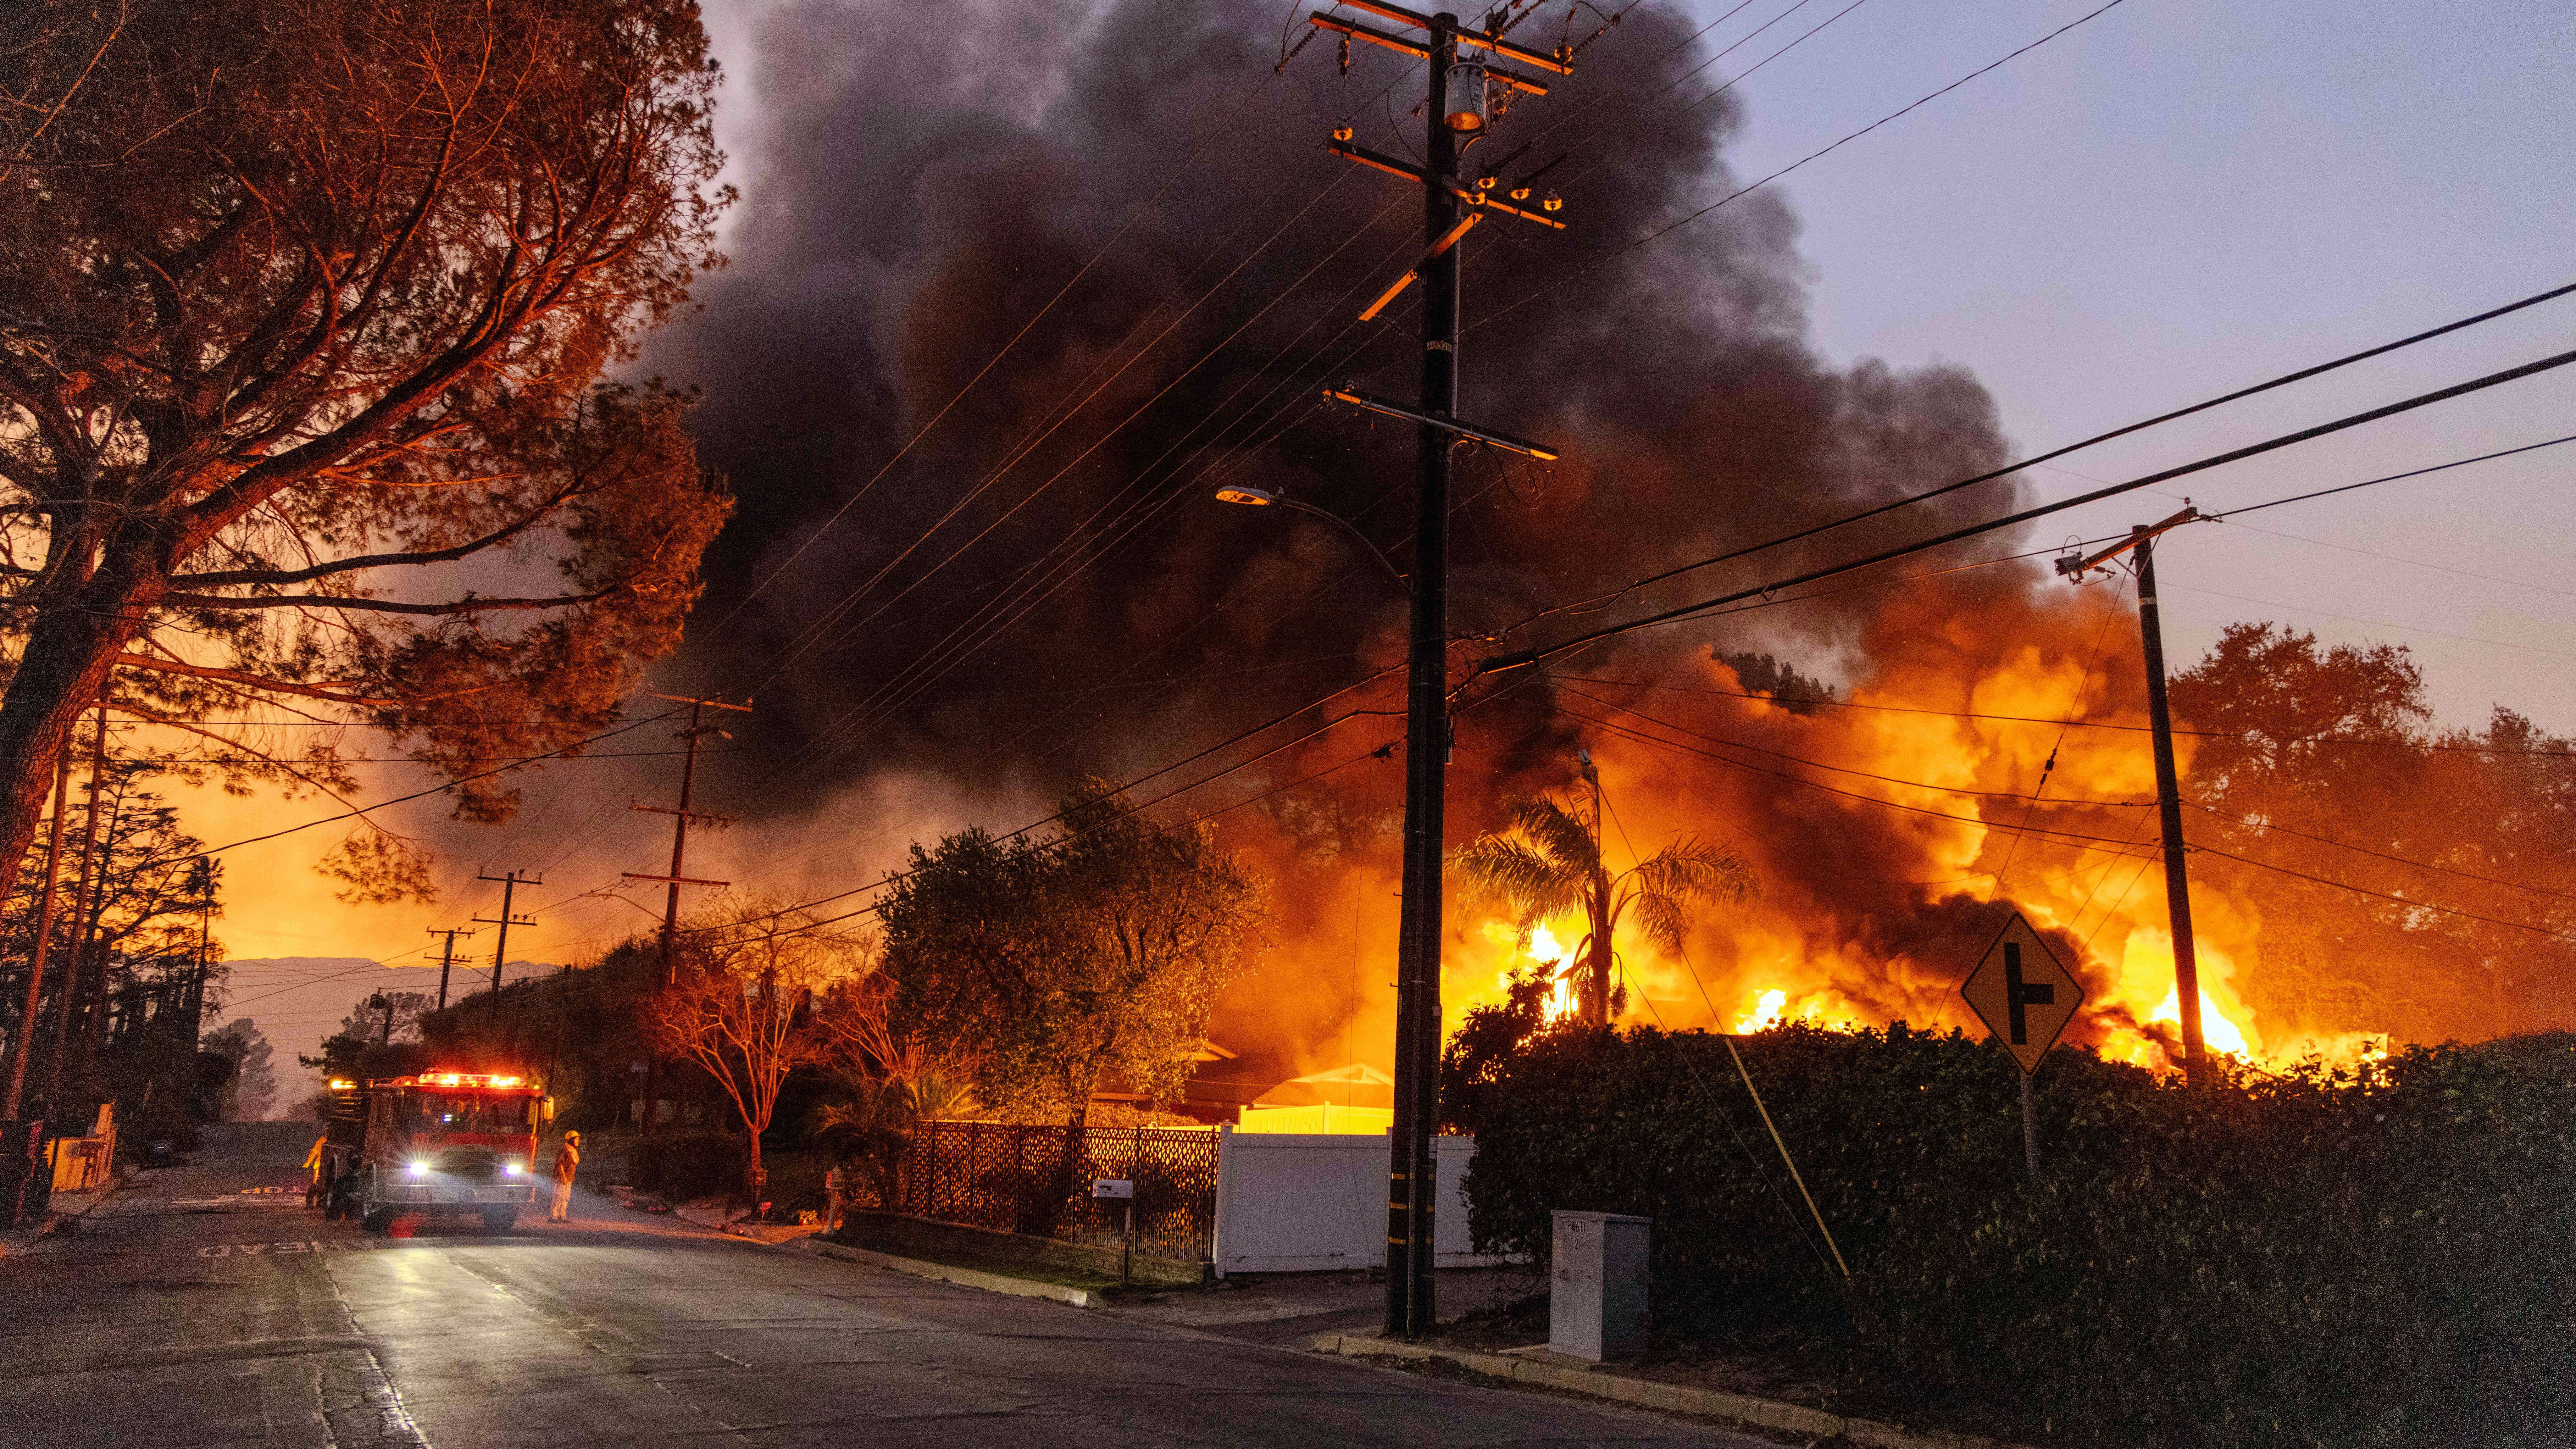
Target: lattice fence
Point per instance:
(1021, 1179)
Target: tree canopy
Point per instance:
(304, 307)
(2322, 762)
(1052, 961)
(753, 999)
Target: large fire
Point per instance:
(1543, 952)
(1889, 833)
(1879, 889)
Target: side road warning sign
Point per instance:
(2023, 993)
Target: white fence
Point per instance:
(1302, 1203)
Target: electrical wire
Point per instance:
(1221, 130)
(1608, 257)
(2068, 837)
(2407, 902)
(2268, 825)
(2373, 623)
(2284, 440)
(2033, 799)
(2205, 405)
(1794, 702)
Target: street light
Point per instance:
(1264, 498)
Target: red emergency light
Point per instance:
(460, 1079)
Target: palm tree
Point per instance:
(1548, 862)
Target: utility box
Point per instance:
(1597, 1303)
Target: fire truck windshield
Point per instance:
(465, 1112)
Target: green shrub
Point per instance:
(2309, 1258)
(682, 1166)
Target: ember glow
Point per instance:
(1766, 1011)
(1544, 952)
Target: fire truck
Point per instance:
(462, 1143)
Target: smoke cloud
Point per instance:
(1042, 588)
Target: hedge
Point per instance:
(2316, 1257)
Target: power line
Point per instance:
(2375, 623)
(1063, 415)
(2383, 895)
(2493, 379)
(2034, 799)
(2409, 562)
(1608, 257)
(912, 681)
(2080, 840)
(2380, 854)
(2222, 517)
(1796, 702)
(2284, 380)
(1222, 130)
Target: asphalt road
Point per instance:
(199, 1310)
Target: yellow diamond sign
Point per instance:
(2023, 993)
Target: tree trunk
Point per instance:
(1596, 965)
(71, 648)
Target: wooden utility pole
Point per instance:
(24, 1046)
(2142, 542)
(90, 939)
(447, 957)
(680, 819)
(509, 884)
(1459, 113)
(80, 919)
(201, 879)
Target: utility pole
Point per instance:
(680, 819)
(2142, 540)
(1459, 112)
(447, 956)
(24, 1046)
(201, 880)
(80, 920)
(509, 883)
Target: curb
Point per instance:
(963, 1277)
(19, 1242)
(1599, 1383)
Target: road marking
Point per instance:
(254, 1250)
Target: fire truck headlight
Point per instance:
(510, 1169)
(420, 1169)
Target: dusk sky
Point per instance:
(2173, 200)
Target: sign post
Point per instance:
(1121, 1189)
(2025, 996)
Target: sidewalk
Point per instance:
(1541, 1368)
(62, 1219)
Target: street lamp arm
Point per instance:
(1371, 549)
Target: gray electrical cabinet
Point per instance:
(1597, 1303)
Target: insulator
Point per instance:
(1488, 183)
(1520, 193)
(1346, 57)
(1475, 198)
(1341, 133)
(1553, 202)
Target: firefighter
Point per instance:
(313, 1164)
(836, 1187)
(567, 1159)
